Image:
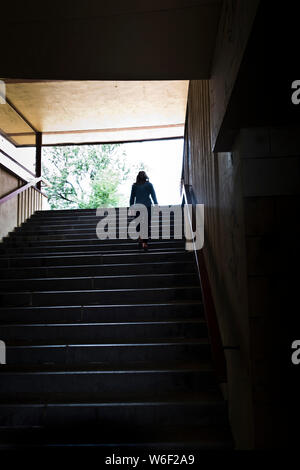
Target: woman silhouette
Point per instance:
(141, 191)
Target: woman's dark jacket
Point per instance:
(140, 194)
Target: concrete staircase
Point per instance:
(106, 345)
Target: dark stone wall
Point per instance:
(251, 196)
(271, 193)
(250, 186)
(216, 180)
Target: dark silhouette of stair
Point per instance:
(105, 344)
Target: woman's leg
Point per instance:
(143, 241)
(146, 240)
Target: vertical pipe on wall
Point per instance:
(38, 157)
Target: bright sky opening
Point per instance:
(163, 160)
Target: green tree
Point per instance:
(84, 176)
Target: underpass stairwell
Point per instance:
(105, 344)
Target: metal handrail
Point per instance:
(218, 355)
(19, 190)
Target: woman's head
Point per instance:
(141, 177)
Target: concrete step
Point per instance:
(95, 333)
(105, 343)
(93, 219)
(201, 410)
(19, 236)
(107, 383)
(114, 354)
(137, 441)
(96, 296)
(82, 212)
(32, 225)
(134, 281)
(69, 259)
(28, 242)
(83, 248)
(94, 270)
(102, 313)
(113, 216)
(93, 213)
(99, 252)
(31, 229)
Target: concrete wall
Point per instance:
(270, 160)
(251, 196)
(8, 210)
(217, 182)
(16, 210)
(235, 25)
(250, 188)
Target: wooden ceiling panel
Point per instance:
(94, 110)
(10, 121)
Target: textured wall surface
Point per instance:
(8, 210)
(271, 169)
(251, 198)
(16, 210)
(216, 180)
(234, 29)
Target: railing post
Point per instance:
(38, 157)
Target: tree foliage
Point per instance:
(84, 176)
